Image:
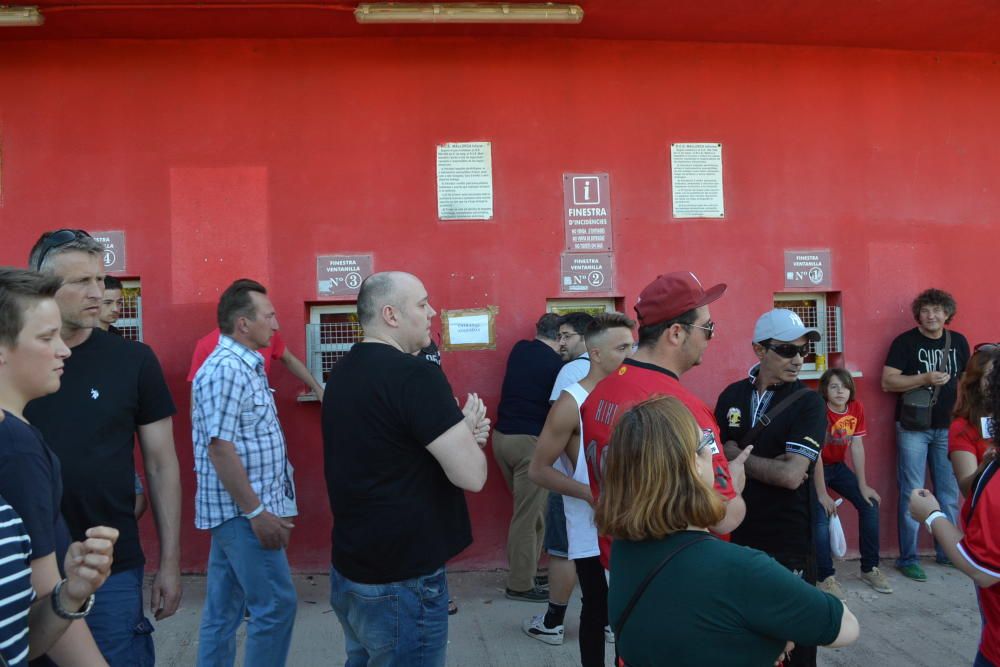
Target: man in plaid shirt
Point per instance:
(245, 492)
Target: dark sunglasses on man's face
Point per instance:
(60, 238)
(787, 350)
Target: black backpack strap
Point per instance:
(648, 580)
(981, 483)
(766, 419)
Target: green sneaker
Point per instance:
(913, 571)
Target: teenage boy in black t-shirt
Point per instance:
(112, 391)
(916, 361)
(779, 502)
(398, 454)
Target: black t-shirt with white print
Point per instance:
(914, 353)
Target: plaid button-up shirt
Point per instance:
(231, 401)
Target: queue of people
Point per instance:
(694, 533)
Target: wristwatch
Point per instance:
(69, 615)
(929, 521)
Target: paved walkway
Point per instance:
(935, 624)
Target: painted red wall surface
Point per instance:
(223, 159)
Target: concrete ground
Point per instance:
(934, 624)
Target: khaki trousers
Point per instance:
(527, 524)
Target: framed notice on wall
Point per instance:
(469, 329)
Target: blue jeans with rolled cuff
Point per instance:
(398, 623)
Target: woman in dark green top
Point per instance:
(714, 603)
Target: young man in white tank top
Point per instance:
(609, 341)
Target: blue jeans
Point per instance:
(842, 479)
(981, 661)
(918, 451)
(402, 623)
(123, 634)
(556, 541)
(243, 575)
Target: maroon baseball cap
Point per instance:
(673, 294)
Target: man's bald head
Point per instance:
(378, 291)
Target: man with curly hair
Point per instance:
(917, 360)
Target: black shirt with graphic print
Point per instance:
(914, 353)
(778, 520)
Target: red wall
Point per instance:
(229, 158)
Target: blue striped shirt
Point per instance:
(16, 594)
(232, 401)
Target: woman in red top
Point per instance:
(975, 549)
(966, 443)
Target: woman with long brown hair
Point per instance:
(967, 444)
(679, 595)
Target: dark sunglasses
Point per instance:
(787, 350)
(709, 329)
(60, 238)
(989, 348)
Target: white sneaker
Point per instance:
(535, 627)
(609, 635)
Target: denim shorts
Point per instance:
(556, 542)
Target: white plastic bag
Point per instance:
(838, 543)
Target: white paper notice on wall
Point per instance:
(465, 181)
(469, 330)
(696, 171)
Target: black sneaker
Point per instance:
(534, 595)
(542, 581)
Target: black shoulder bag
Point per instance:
(648, 580)
(917, 405)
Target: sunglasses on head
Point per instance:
(787, 350)
(60, 238)
(986, 347)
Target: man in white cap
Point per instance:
(785, 422)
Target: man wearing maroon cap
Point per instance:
(674, 329)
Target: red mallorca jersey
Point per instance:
(632, 383)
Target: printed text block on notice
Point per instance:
(587, 212)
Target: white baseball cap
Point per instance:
(783, 325)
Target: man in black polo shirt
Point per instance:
(778, 501)
(398, 454)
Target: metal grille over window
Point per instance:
(329, 339)
(130, 320)
(833, 329)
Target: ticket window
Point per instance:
(589, 306)
(331, 333)
(819, 310)
(130, 320)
